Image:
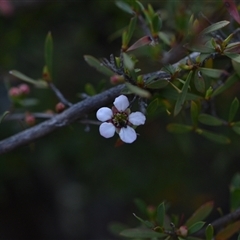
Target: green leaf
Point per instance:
(4, 115)
(146, 223)
(234, 56)
(36, 83)
(138, 91)
(199, 82)
(131, 28)
(236, 129)
(124, 6)
(209, 232)
(227, 232)
(194, 113)
(238, 237)
(235, 192)
(209, 120)
(199, 48)
(229, 82)
(195, 227)
(128, 62)
(157, 84)
(156, 23)
(141, 205)
(153, 106)
(116, 227)
(214, 73)
(200, 214)
(236, 67)
(215, 27)
(93, 62)
(141, 233)
(179, 128)
(182, 96)
(213, 137)
(161, 214)
(89, 89)
(233, 109)
(49, 54)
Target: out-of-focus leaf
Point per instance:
(36, 83)
(141, 205)
(182, 96)
(152, 106)
(165, 38)
(236, 66)
(200, 214)
(116, 228)
(138, 91)
(157, 84)
(146, 40)
(4, 115)
(179, 128)
(229, 82)
(213, 136)
(214, 73)
(128, 62)
(93, 62)
(235, 192)
(141, 233)
(209, 120)
(233, 109)
(89, 89)
(156, 23)
(195, 227)
(232, 9)
(199, 82)
(49, 54)
(28, 102)
(125, 7)
(209, 232)
(131, 28)
(161, 214)
(194, 113)
(215, 27)
(146, 223)
(233, 47)
(227, 232)
(233, 56)
(200, 48)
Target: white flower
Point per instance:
(120, 120)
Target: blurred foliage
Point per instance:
(72, 183)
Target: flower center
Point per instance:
(120, 119)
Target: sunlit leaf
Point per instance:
(93, 62)
(215, 27)
(209, 232)
(229, 82)
(229, 231)
(161, 214)
(233, 109)
(182, 96)
(200, 214)
(213, 136)
(179, 128)
(138, 91)
(209, 120)
(49, 53)
(195, 227)
(141, 233)
(36, 83)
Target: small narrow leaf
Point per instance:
(146, 223)
(214, 73)
(131, 28)
(200, 214)
(93, 62)
(141, 233)
(124, 6)
(233, 56)
(49, 54)
(233, 109)
(157, 84)
(141, 205)
(138, 91)
(179, 128)
(195, 227)
(213, 137)
(128, 62)
(229, 82)
(182, 96)
(227, 232)
(4, 115)
(152, 106)
(194, 113)
(146, 40)
(156, 23)
(209, 120)
(215, 27)
(199, 82)
(161, 214)
(37, 83)
(232, 9)
(209, 232)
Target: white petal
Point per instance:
(104, 114)
(121, 103)
(137, 118)
(128, 134)
(107, 130)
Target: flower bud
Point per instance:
(183, 231)
(30, 119)
(24, 89)
(60, 107)
(14, 92)
(116, 79)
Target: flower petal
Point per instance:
(128, 134)
(121, 103)
(107, 130)
(137, 118)
(104, 114)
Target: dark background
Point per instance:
(72, 184)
